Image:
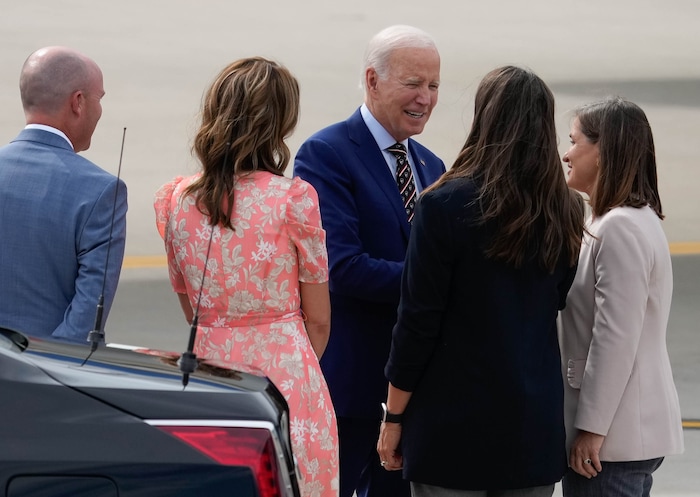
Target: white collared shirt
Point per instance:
(50, 129)
(385, 140)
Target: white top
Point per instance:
(618, 379)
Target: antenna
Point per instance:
(188, 360)
(97, 335)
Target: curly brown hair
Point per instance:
(247, 112)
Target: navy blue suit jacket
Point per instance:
(55, 213)
(367, 235)
(476, 343)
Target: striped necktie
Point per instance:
(404, 179)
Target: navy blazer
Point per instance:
(476, 343)
(55, 213)
(367, 235)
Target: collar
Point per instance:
(50, 129)
(381, 136)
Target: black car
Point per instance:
(122, 424)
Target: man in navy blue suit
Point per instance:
(353, 166)
(56, 207)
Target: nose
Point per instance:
(566, 157)
(423, 95)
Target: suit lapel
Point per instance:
(372, 159)
(425, 172)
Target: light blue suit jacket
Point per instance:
(56, 209)
(367, 234)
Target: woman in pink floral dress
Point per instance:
(264, 301)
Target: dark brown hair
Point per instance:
(247, 112)
(511, 155)
(627, 167)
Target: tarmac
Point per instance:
(158, 56)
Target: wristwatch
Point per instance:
(388, 417)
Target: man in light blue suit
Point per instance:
(57, 208)
(354, 167)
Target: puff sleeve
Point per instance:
(303, 222)
(162, 202)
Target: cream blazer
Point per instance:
(617, 372)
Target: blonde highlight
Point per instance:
(247, 112)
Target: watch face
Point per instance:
(388, 417)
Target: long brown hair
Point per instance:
(247, 112)
(511, 155)
(627, 167)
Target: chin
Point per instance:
(415, 130)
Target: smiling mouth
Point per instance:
(415, 115)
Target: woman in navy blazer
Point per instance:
(476, 396)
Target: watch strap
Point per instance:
(389, 417)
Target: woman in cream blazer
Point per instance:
(621, 407)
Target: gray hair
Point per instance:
(384, 43)
(49, 76)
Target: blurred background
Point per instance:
(158, 56)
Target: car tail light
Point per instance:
(236, 446)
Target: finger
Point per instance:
(575, 462)
(588, 467)
(394, 465)
(577, 467)
(583, 469)
(384, 452)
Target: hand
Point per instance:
(584, 454)
(389, 438)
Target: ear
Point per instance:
(371, 79)
(77, 100)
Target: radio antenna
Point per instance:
(97, 335)
(188, 360)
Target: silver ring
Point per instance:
(383, 463)
(587, 461)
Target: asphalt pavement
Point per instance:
(146, 313)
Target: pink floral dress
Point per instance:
(250, 305)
